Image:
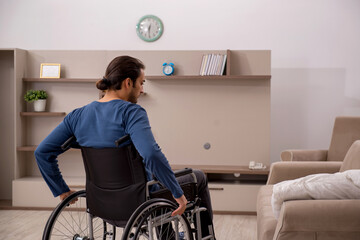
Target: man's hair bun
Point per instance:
(103, 84)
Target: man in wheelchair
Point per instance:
(96, 126)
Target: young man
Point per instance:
(100, 123)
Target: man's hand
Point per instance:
(66, 194)
(182, 206)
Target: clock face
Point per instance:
(149, 28)
(168, 70)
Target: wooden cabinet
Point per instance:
(233, 189)
(230, 114)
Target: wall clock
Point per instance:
(149, 28)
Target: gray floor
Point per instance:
(28, 225)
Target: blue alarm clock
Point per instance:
(168, 69)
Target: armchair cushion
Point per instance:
(351, 160)
(341, 185)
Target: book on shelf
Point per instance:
(203, 64)
(213, 64)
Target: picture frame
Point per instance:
(50, 70)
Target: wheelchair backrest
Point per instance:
(115, 181)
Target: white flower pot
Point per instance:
(39, 105)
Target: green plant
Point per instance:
(33, 95)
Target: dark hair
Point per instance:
(118, 70)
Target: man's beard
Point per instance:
(132, 97)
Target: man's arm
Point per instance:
(46, 157)
(137, 125)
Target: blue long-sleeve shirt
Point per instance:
(99, 125)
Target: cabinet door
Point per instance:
(234, 197)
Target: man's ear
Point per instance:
(126, 82)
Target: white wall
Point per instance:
(315, 47)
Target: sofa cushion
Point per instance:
(266, 222)
(352, 158)
(319, 219)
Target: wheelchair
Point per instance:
(120, 202)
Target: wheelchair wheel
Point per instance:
(71, 221)
(153, 220)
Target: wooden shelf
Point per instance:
(62, 80)
(42, 114)
(223, 169)
(225, 77)
(32, 148)
(184, 77)
(204, 168)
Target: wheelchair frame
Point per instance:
(147, 212)
(189, 218)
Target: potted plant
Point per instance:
(38, 97)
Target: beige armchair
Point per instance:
(346, 130)
(309, 219)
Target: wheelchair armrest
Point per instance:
(183, 172)
(70, 143)
(122, 140)
(178, 173)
